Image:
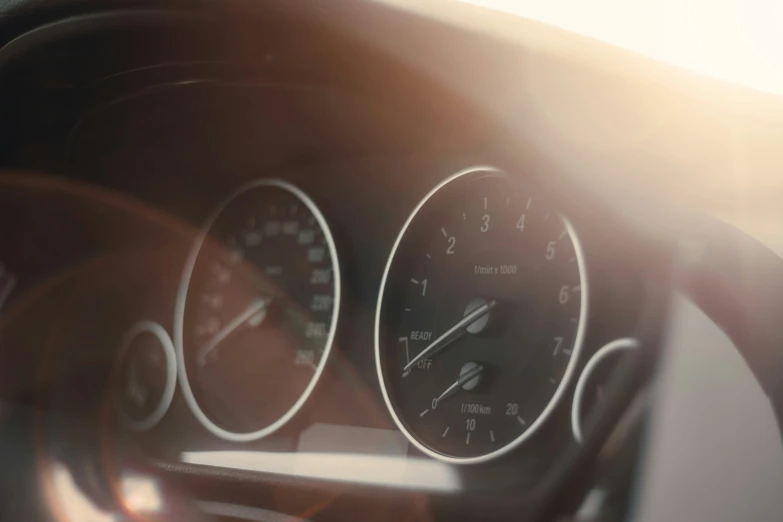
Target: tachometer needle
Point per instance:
(464, 378)
(256, 308)
(452, 334)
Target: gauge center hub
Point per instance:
(480, 324)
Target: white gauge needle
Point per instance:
(452, 334)
(464, 378)
(258, 306)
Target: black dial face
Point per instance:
(481, 315)
(260, 311)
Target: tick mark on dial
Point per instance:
(422, 414)
(491, 436)
(445, 432)
(443, 230)
(521, 421)
(467, 440)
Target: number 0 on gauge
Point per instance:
(480, 318)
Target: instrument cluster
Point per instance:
(480, 326)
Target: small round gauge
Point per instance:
(147, 375)
(257, 310)
(480, 318)
(590, 391)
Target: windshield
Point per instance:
(735, 40)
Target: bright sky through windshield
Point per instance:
(736, 40)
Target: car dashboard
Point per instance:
(288, 272)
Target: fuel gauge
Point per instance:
(147, 375)
(590, 392)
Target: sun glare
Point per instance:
(736, 40)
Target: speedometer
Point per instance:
(480, 318)
(257, 310)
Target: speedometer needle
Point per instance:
(464, 378)
(255, 308)
(452, 334)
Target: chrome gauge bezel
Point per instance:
(626, 343)
(160, 333)
(570, 368)
(179, 314)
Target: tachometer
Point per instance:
(480, 318)
(257, 310)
